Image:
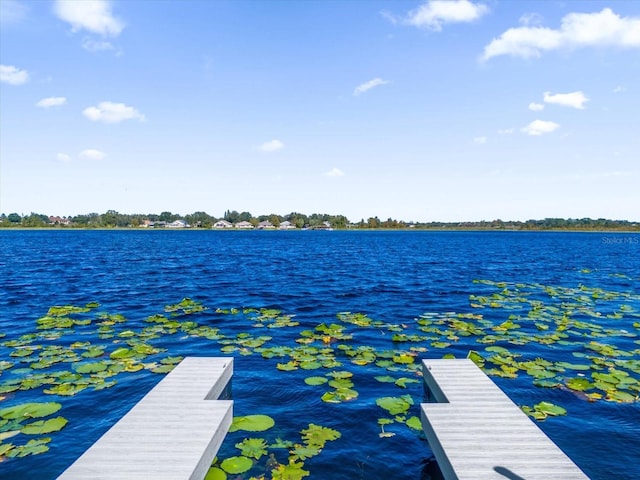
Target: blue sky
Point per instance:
(421, 111)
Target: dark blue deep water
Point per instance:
(393, 277)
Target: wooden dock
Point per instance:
(173, 433)
(477, 433)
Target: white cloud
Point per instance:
(573, 99)
(529, 19)
(12, 11)
(51, 102)
(360, 89)
(434, 13)
(91, 154)
(506, 131)
(63, 157)
(12, 75)
(619, 89)
(536, 107)
(600, 29)
(271, 146)
(480, 140)
(109, 112)
(334, 172)
(92, 45)
(92, 15)
(539, 127)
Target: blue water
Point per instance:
(391, 276)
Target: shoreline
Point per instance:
(416, 229)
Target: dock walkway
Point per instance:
(173, 433)
(477, 433)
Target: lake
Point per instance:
(322, 326)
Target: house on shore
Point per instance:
(59, 221)
(178, 224)
(266, 225)
(244, 225)
(222, 224)
(151, 224)
(287, 225)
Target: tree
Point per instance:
(274, 219)
(168, 217)
(373, 222)
(14, 218)
(232, 216)
(35, 220)
(200, 219)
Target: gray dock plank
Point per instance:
(477, 433)
(173, 433)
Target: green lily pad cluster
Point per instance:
(18, 420)
(597, 328)
(397, 408)
(542, 410)
(580, 320)
(279, 459)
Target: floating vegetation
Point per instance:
(13, 424)
(565, 320)
(543, 410)
(585, 341)
(282, 459)
(252, 423)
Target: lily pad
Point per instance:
(215, 473)
(91, 367)
(315, 380)
(236, 465)
(319, 435)
(253, 447)
(44, 426)
(395, 405)
(414, 422)
(292, 471)
(30, 410)
(252, 423)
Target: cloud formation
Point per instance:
(334, 172)
(91, 154)
(109, 112)
(63, 157)
(573, 99)
(540, 127)
(271, 146)
(364, 87)
(435, 13)
(51, 102)
(92, 15)
(600, 29)
(480, 140)
(536, 107)
(92, 45)
(13, 75)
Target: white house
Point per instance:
(246, 225)
(287, 225)
(222, 224)
(266, 225)
(178, 224)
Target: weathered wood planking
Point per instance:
(477, 433)
(173, 433)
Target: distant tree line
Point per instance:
(114, 219)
